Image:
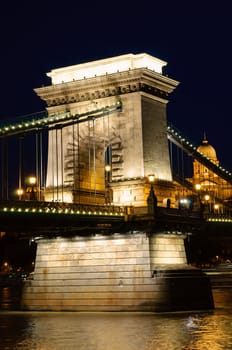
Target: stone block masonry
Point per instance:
(112, 273)
(134, 137)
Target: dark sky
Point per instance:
(196, 43)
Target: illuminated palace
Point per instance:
(209, 192)
(213, 190)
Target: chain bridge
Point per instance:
(23, 207)
(110, 189)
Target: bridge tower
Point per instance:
(130, 139)
(118, 109)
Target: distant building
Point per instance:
(213, 190)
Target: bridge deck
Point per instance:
(30, 218)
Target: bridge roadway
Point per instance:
(41, 121)
(36, 218)
(30, 217)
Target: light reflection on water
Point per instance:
(116, 331)
(203, 330)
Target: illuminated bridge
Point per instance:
(109, 190)
(26, 211)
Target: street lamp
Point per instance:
(198, 189)
(19, 192)
(107, 168)
(107, 181)
(151, 179)
(216, 208)
(31, 189)
(152, 199)
(6, 267)
(32, 180)
(207, 199)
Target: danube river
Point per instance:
(196, 330)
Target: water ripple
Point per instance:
(116, 331)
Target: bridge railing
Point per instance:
(60, 207)
(42, 120)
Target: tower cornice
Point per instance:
(140, 79)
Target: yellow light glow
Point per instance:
(19, 192)
(32, 180)
(151, 178)
(126, 197)
(198, 187)
(107, 168)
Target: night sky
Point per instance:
(195, 42)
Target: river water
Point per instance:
(196, 330)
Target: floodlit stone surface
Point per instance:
(115, 273)
(136, 134)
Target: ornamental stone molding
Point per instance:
(115, 84)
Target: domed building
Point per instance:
(208, 151)
(203, 178)
(209, 184)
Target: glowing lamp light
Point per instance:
(107, 168)
(207, 197)
(198, 187)
(184, 201)
(32, 180)
(19, 192)
(151, 178)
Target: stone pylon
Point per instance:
(132, 140)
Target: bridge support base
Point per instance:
(119, 272)
(184, 286)
(185, 289)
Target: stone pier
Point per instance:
(119, 272)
